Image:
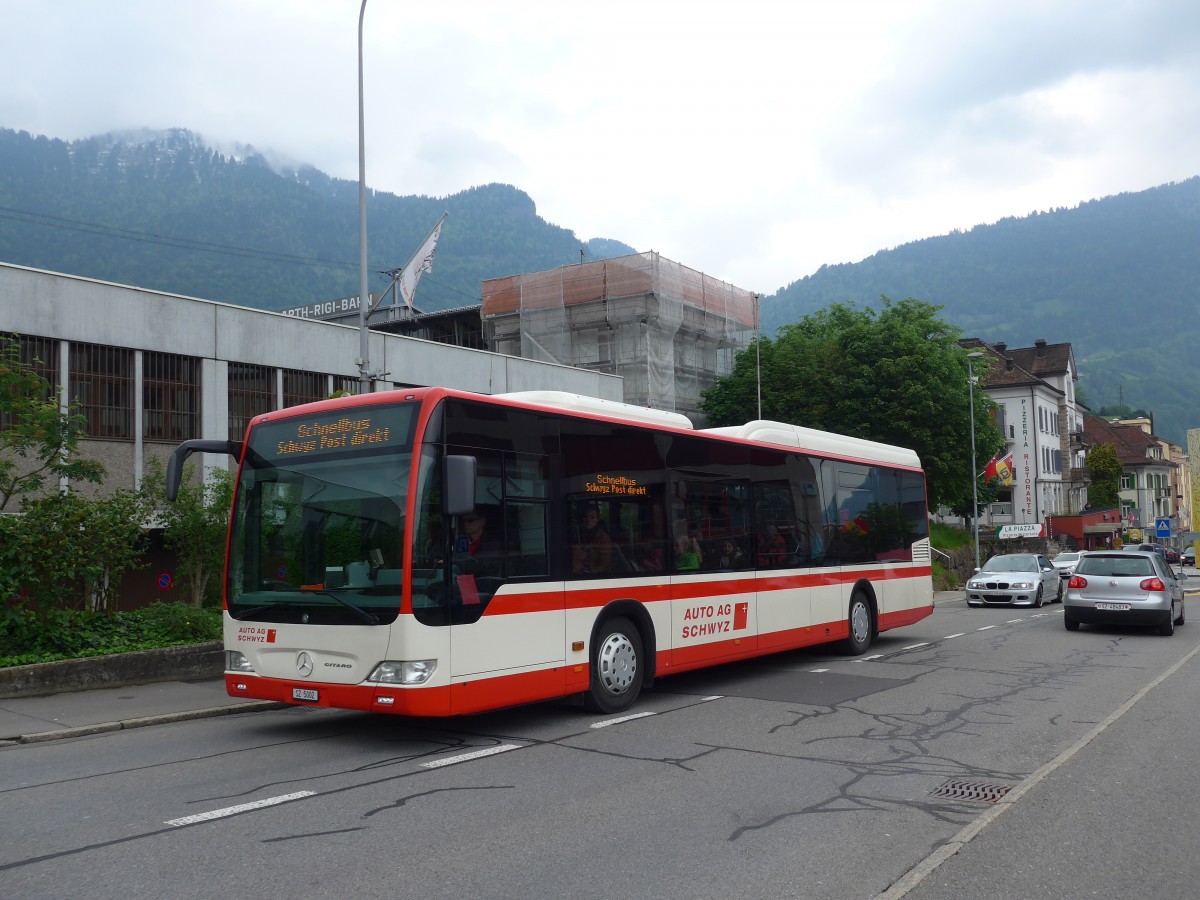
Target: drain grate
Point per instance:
(974, 791)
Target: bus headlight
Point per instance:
(237, 662)
(405, 671)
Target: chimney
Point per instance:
(1000, 347)
(1040, 343)
(1008, 363)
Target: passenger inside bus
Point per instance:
(687, 554)
(731, 556)
(592, 549)
(478, 550)
(772, 546)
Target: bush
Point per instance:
(35, 636)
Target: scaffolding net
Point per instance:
(669, 331)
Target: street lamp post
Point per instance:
(974, 475)
(364, 297)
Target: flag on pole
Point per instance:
(422, 261)
(999, 467)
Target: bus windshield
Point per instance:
(319, 520)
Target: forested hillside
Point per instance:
(164, 211)
(1118, 278)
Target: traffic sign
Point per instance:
(1162, 527)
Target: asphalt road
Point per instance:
(804, 774)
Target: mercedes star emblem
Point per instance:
(304, 665)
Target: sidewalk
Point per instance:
(76, 713)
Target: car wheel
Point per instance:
(1037, 600)
(1071, 624)
(1179, 621)
(617, 670)
(1167, 628)
(1058, 597)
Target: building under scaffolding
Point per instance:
(669, 331)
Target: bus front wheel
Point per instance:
(617, 670)
(859, 620)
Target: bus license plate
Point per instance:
(1115, 607)
(304, 694)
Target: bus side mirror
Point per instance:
(186, 449)
(459, 485)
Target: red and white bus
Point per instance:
(618, 545)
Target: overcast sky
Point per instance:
(752, 140)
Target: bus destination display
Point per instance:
(388, 426)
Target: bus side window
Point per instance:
(528, 555)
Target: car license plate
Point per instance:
(304, 694)
(1114, 607)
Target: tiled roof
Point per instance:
(1130, 441)
(1007, 366)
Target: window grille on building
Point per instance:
(347, 383)
(41, 356)
(170, 397)
(303, 387)
(101, 380)
(251, 393)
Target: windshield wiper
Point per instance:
(255, 610)
(369, 618)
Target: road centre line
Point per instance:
(947, 637)
(467, 757)
(985, 627)
(621, 719)
(241, 807)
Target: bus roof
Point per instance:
(598, 406)
(826, 442)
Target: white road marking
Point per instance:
(241, 807)
(466, 757)
(947, 637)
(985, 627)
(915, 646)
(869, 658)
(818, 670)
(608, 722)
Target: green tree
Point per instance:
(194, 526)
(896, 375)
(1105, 468)
(38, 441)
(69, 551)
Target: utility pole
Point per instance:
(364, 296)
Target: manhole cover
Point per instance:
(974, 791)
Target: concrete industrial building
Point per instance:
(151, 369)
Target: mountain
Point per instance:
(163, 210)
(1118, 278)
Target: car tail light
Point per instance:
(1152, 584)
(1077, 581)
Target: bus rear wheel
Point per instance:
(617, 670)
(861, 625)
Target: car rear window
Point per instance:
(1114, 564)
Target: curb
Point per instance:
(163, 719)
(189, 661)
